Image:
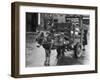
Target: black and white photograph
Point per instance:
(54, 39)
(51, 39)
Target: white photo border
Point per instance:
(54, 69)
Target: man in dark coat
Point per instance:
(85, 38)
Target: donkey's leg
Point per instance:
(58, 52)
(63, 51)
(47, 61)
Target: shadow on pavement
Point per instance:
(66, 60)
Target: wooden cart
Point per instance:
(73, 32)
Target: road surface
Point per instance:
(36, 56)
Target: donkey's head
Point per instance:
(39, 39)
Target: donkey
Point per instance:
(51, 42)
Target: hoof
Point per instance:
(46, 64)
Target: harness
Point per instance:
(51, 41)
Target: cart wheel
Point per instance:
(78, 50)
